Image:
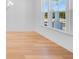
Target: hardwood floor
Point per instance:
(31, 45)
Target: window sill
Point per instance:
(62, 32)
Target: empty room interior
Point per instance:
(39, 29)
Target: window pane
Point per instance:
(59, 14)
(45, 7)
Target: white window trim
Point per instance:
(68, 8)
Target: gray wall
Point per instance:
(21, 16)
(60, 38)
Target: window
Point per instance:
(57, 14)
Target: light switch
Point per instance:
(9, 3)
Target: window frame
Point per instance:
(68, 18)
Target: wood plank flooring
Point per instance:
(31, 45)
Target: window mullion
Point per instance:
(50, 15)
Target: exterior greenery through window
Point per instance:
(61, 17)
(56, 14)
